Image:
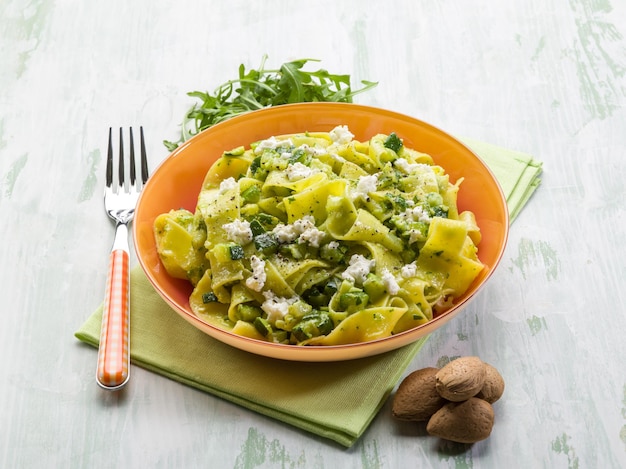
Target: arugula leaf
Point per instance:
(256, 89)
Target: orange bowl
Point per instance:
(178, 179)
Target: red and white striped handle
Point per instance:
(113, 353)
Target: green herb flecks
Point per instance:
(257, 89)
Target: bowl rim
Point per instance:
(326, 352)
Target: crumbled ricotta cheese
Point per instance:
(308, 231)
(228, 184)
(271, 143)
(365, 185)
(304, 230)
(358, 268)
(238, 231)
(390, 282)
(313, 236)
(403, 165)
(257, 280)
(417, 213)
(305, 222)
(333, 245)
(341, 134)
(298, 171)
(414, 235)
(312, 150)
(276, 307)
(409, 270)
(285, 233)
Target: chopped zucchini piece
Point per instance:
(353, 300)
(256, 227)
(235, 151)
(256, 171)
(278, 337)
(262, 326)
(247, 312)
(374, 286)
(225, 252)
(266, 243)
(313, 325)
(295, 250)
(300, 156)
(251, 195)
(236, 252)
(334, 252)
(209, 297)
(332, 286)
(316, 298)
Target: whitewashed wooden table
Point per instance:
(543, 77)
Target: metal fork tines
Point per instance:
(120, 199)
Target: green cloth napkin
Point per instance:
(518, 173)
(333, 400)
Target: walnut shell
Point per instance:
(463, 422)
(493, 388)
(460, 379)
(416, 398)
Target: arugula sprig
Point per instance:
(259, 88)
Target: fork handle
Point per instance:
(113, 352)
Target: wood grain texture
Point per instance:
(543, 77)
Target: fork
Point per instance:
(113, 368)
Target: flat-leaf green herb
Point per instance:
(257, 89)
(393, 142)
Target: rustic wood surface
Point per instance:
(544, 77)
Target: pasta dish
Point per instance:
(321, 239)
